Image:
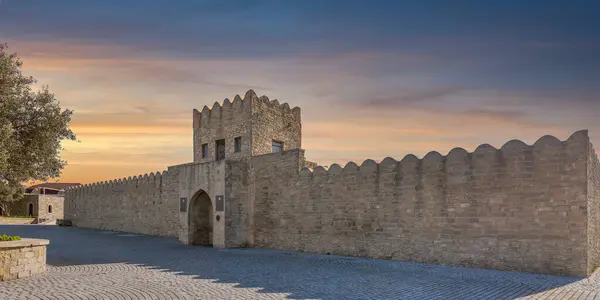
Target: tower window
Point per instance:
(204, 150)
(49, 209)
(238, 144)
(277, 146)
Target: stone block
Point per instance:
(21, 264)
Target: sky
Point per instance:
(373, 78)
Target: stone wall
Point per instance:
(57, 203)
(272, 121)
(519, 208)
(23, 258)
(41, 205)
(192, 179)
(145, 204)
(21, 207)
(257, 120)
(148, 204)
(271, 205)
(593, 211)
(15, 221)
(238, 204)
(227, 121)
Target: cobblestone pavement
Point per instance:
(92, 264)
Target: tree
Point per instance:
(32, 127)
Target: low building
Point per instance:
(43, 201)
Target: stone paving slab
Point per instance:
(93, 264)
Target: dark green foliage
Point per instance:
(6, 238)
(32, 127)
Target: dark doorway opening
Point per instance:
(30, 209)
(200, 217)
(220, 147)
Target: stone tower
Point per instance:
(243, 128)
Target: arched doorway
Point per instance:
(200, 223)
(30, 209)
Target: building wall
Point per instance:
(16, 221)
(40, 206)
(593, 211)
(192, 179)
(57, 203)
(149, 204)
(22, 262)
(145, 204)
(21, 207)
(519, 208)
(274, 121)
(257, 120)
(227, 121)
(238, 204)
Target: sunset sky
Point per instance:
(373, 78)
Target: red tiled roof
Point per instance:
(54, 185)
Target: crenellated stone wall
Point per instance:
(227, 121)
(274, 122)
(519, 208)
(532, 208)
(593, 210)
(257, 120)
(145, 204)
(191, 179)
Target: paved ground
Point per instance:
(90, 264)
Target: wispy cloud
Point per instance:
(372, 80)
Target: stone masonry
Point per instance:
(22, 258)
(51, 207)
(531, 208)
(48, 207)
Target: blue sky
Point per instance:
(401, 76)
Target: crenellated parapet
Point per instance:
(208, 117)
(151, 180)
(515, 208)
(483, 157)
(141, 204)
(263, 102)
(255, 122)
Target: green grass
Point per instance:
(6, 238)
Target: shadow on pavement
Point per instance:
(301, 275)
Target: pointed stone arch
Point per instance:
(200, 219)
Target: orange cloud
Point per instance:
(133, 111)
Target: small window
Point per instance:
(277, 146)
(204, 150)
(220, 149)
(49, 209)
(238, 144)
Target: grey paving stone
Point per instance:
(91, 264)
